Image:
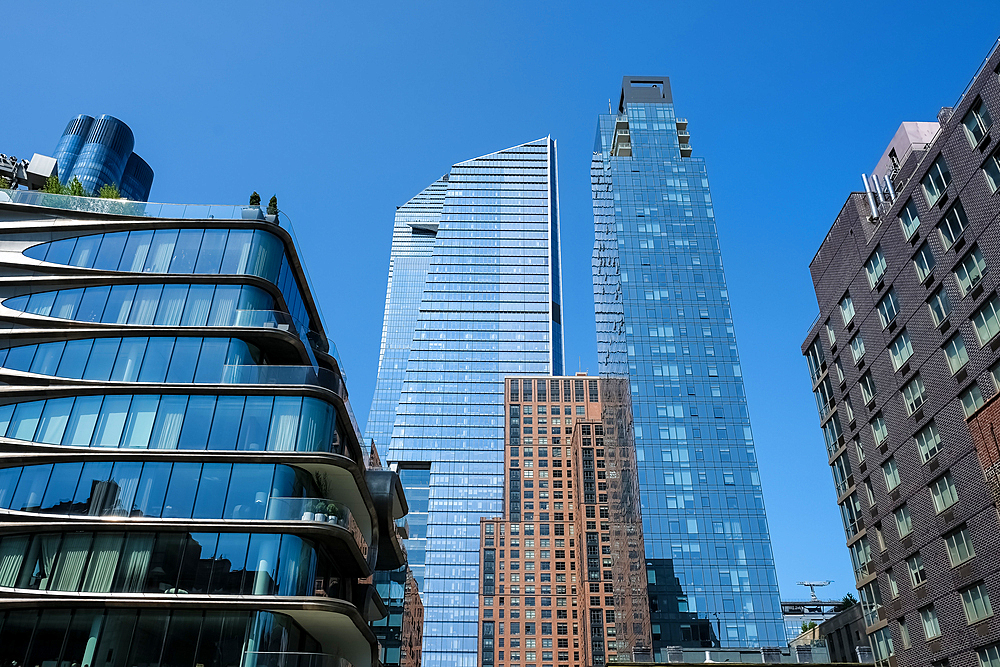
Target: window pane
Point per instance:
(59, 493)
(82, 421)
(212, 490)
(226, 425)
(66, 303)
(152, 489)
(139, 424)
(211, 360)
(256, 418)
(54, 420)
(136, 250)
(284, 423)
(169, 417)
(119, 304)
(224, 306)
(111, 421)
(186, 251)
(110, 254)
(180, 492)
(199, 303)
(161, 251)
(237, 251)
(147, 298)
(171, 304)
(197, 422)
(248, 498)
(212, 246)
(184, 360)
(25, 420)
(154, 364)
(47, 358)
(74, 359)
(129, 359)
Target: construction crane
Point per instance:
(812, 587)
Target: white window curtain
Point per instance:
(11, 556)
(72, 558)
(101, 570)
(135, 563)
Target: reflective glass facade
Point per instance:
(664, 322)
(473, 296)
(206, 484)
(99, 152)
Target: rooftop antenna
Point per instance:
(812, 587)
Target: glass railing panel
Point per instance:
(292, 659)
(319, 510)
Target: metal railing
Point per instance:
(319, 510)
(283, 375)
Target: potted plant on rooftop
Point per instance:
(272, 210)
(253, 212)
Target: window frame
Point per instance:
(912, 222)
(954, 217)
(920, 263)
(938, 177)
(955, 353)
(979, 113)
(943, 497)
(887, 302)
(875, 270)
(969, 271)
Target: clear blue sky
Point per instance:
(345, 110)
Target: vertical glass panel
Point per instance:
(230, 559)
(197, 422)
(316, 433)
(295, 573)
(180, 646)
(237, 251)
(41, 303)
(92, 304)
(72, 558)
(111, 421)
(284, 423)
(12, 551)
(129, 360)
(253, 298)
(165, 566)
(184, 360)
(266, 255)
(102, 359)
(15, 636)
(262, 565)
(25, 420)
(235, 631)
(92, 493)
(60, 252)
(19, 303)
(47, 358)
(224, 305)
(181, 491)
(103, 562)
(249, 493)
(212, 246)
(83, 630)
(139, 425)
(186, 251)
(152, 489)
(66, 303)
(226, 424)
(115, 638)
(241, 354)
(19, 358)
(37, 570)
(59, 492)
(147, 639)
(136, 251)
(82, 421)
(54, 420)
(8, 482)
(74, 359)
(6, 412)
(211, 499)
(256, 418)
(196, 573)
(199, 304)
(134, 563)
(171, 305)
(85, 251)
(169, 418)
(110, 254)
(147, 298)
(154, 364)
(211, 360)
(161, 251)
(125, 482)
(49, 636)
(31, 488)
(119, 304)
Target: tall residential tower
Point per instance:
(664, 322)
(474, 295)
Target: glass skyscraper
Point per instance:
(474, 295)
(99, 152)
(664, 322)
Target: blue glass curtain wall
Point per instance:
(151, 637)
(171, 563)
(140, 359)
(178, 421)
(173, 304)
(198, 251)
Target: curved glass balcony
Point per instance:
(319, 510)
(177, 421)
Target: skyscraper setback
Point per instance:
(474, 295)
(664, 322)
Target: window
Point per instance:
(943, 493)
(847, 309)
(928, 442)
(875, 267)
(869, 492)
(839, 367)
(815, 359)
(904, 633)
(940, 306)
(857, 348)
(936, 180)
(969, 272)
(849, 408)
(972, 400)
(955, 353)
(868, 389)
(915, 564)
(831, 335)
(904, 524)
(986, 320)
(929, 618)
(908, 219)
(882, 647)
(900, 350)
(914, 394)
(991, 169)
(860, 449)
(888, 308)
(891, 473)
(976, 603)
(952, 225)
(977, 122)
(879, 430)
(960, 547)
(989, 656)
(924, 262)
(893, 586)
